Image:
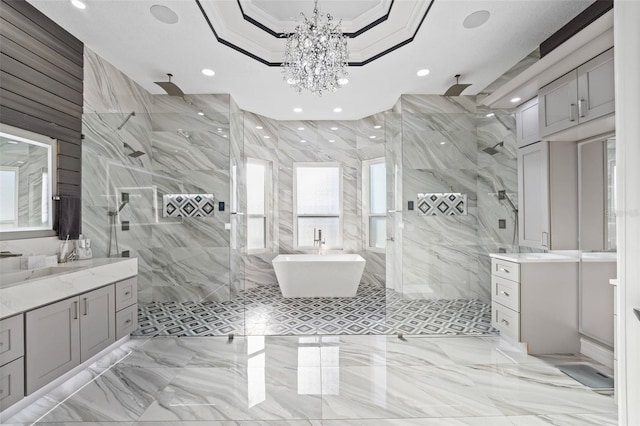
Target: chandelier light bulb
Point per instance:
(316, 55)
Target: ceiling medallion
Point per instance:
(316, 55)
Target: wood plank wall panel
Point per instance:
(41, 84)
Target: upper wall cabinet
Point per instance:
(527, 128)
(582, 95)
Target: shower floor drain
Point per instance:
(587, 375)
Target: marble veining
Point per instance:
(321, 380)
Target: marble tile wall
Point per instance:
(442, 151)
(180, 259)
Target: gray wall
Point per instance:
(41, 88)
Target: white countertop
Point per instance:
(534, 257)
(599, 257)
(93, 273)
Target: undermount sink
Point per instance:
(18, 277)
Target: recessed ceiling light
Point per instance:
(267, 137)
(343, 81)
(423, 72)
(162, 14)
(337, 109)
(377, 127)
(303, 141)
(332, 140)
(490, 115)
(208, 72)
(13, 142)
(442, 143)
(20, 162)
(300, 128)
(224, 136)
(259, 127)
(476, 19)
(372, 137)
(78, 4)
(334, 128)
(514, 100)
(200, 113)
(219, 129)
(297, 109)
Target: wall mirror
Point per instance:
(27, 176)
(596, 194)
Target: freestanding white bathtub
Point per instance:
(319, 275)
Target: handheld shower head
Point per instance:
(134, 153)
(492, 150)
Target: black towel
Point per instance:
(69, 218)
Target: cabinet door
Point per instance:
(533, 191)
(53, 342)
(596, 88)
(97, 321)
(558, 104)
(527, 123)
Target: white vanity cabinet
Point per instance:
(11, 360)
(527, 127)
(582, 95)
(62, 335)
(535, 301)
(548, 195)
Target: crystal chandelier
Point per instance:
(316, 55)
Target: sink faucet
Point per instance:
(317, 239)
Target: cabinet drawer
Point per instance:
(506, 293)
(126, 293)
(126, 321)
(11, 383)
(11, 338)
(505, 269)
(505, 320)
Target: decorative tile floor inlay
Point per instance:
(263, 311)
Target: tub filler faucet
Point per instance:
(317, 239)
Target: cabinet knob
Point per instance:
(505, 270)
(504, 293)
(127, 293)
(127, 321)
(504, 321)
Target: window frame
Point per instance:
(266, 216)
(366, 203)
(340, 214)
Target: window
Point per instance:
(375, 202)
(317, 204)
(258, 189)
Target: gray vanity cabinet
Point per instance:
(52, 342)
(62, 335)
(97, 321)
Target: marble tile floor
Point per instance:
(263, 311)
(370, 380)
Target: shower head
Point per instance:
(169, 87)
(492, 150)
(134, 153)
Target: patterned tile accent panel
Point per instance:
(262, 311)
(442, 204)
(187, 205)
